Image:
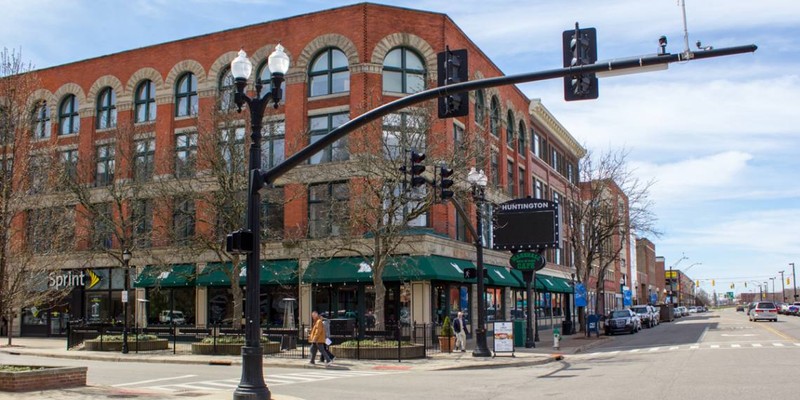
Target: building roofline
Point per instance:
(545, 117)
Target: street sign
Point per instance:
(124, 296)
(580, 295)
(528, 261)
(526, 224)
(627, 297)
(653, 298)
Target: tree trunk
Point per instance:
(380, 295)
(236, 292)
(9, 326)
(581, 319)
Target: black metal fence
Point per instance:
(395, 342)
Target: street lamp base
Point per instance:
(530, 344)
(252, 386)
(481, 353)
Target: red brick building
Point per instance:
(344, 61)
(649, 283)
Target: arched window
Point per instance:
(328, 73)
(68, 119)
(41, 121)
(521, 135)
(494, 118)
(106, 109)
(227, 90)
(265, 79)
(510, 129)
(186, 95)
(145, 101)
(403, 71)
(480, 108)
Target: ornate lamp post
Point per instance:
(251, 385)
(478, 181)
(126, 258)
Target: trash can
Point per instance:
(566, 327)
(519, 333)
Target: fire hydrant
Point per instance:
(556, 338)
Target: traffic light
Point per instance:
(445, 183)
(745, 284)
(713, 282)
(453, 68)
(788, 282)
(697, 283)
(580, 48)
(733, 285)
(417, 169)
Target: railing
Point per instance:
(393, 342)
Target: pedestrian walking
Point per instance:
(326, 346)
(460, 328)
(317, 339)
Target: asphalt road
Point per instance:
(708, 356)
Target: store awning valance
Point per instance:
(502, 276)
(179, 275)
(553, 284)
(412, 268)
(277, 272)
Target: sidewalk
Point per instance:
(56, 348)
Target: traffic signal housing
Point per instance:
(417, 169)
(445, 183)
(580, 48)
(452, 68)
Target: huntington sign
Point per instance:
(526, 224)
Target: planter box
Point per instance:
(142, 345)
(231, 349)
(447, 344)
(43, 379)
(378, 353)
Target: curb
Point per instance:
(539, 361)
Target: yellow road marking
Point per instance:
(777, 332)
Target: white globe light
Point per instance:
(241, 67)
(278, 61)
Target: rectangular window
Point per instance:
(183, 221)
(510, 179)
(50, 229)
(273, 148)
(461, 228)
(487, 224)
(319, 126)
(102, 226)
(495, 169)
(185, 154)
(554, 160)
(272, 214)
(537, 149)
(570, 173)
(458, 135)
(142, 221)
(405, 209)
(402, 132)
(104, 170)
(37, 174)
(327, 209)
(144, 159)
(521, 184)
(69, 165)
(231, 150)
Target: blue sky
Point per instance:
(719, 136)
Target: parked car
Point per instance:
(740, 307)
(647, 315)
(781, 306)
(692, 310)
(657, 314)
(622, 321)
(682, 310)
(764, 310)
(174, 316)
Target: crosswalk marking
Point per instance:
(272, 380)
(756, 344)
(736, 346)
(797, 344)
(709, 346)
(778, 344)
(655, 349)
(694, 347)
(714, 346)
(674, 348)
(635, 350)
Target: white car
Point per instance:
(166, 317)
(764, 310)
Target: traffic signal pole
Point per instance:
(362, 120)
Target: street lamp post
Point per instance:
(251, 385)
(478, 182)
(794, 282)
(783, 288)
(773, 288)
(126, 258)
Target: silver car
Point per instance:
(764, 310)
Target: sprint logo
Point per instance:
(93, 278)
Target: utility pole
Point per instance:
(794, 282)
(783, 288)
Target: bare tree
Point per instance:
(377, 212)
(36, 230)
(611, 203)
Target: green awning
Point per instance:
(180, 275)
(413, 268)
(502, 276)
(278, 272)
(553, 284)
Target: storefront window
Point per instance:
(449, 299)
(279, 306)
(518, 307)
(494, 304)
(180, 300)
(97, 307)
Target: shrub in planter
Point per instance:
(231, 345)
(447, 342)
(135, 343)
(22, 378)
(378, 350)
